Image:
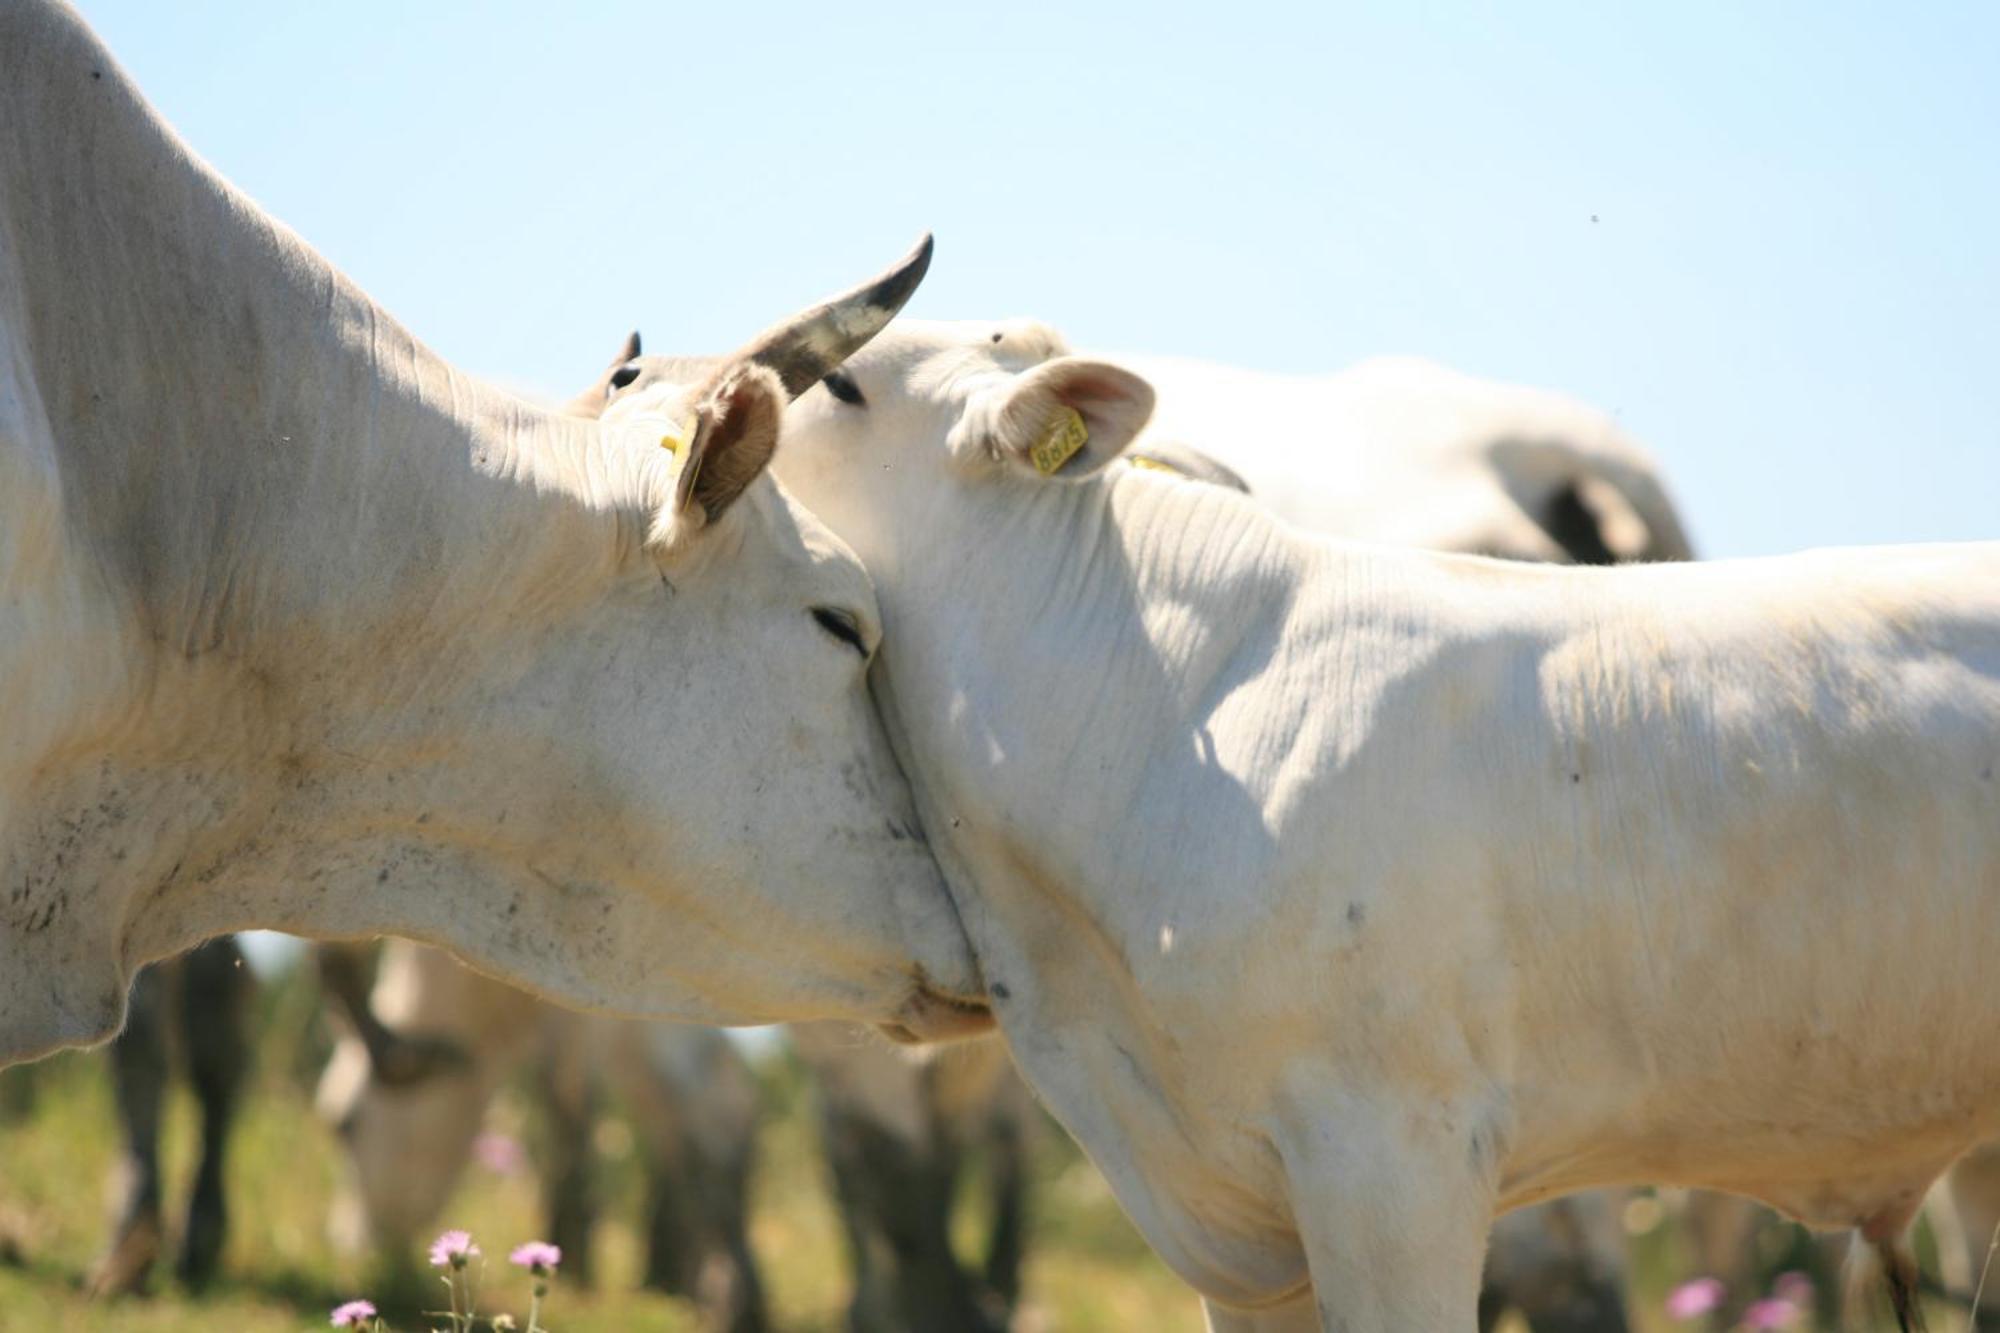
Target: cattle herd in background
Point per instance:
(1335, 896)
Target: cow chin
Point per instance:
(931, 1016)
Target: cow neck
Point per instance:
(1060, 693)
(1080, 641)
(246, 443)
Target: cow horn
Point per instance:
(810, 346)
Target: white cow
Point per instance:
(901, 1127)
(1408, 452)
(1339, 897)
(300, 627)
(691, 1099)
(1395, 448)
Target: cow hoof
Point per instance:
(16, 1234)
(128, 1263)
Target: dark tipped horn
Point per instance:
(809, 346)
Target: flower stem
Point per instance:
(471, 1298)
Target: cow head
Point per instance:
(709, 816)
(585, 704)
(962, 398)
(406, 1134)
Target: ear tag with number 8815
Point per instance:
(1059, 443)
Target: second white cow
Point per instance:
(1337, 898)
(407, 1135)
(1412, 453)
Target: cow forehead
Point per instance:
(660, 385)
(933, 348)
(654, 392)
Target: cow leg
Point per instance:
(868, 1305)
(900, 1194)
(1721, 1232)
(740, 1298)
(673, 1250)
(215, 991)
(1297, 1315)
(710, 1238)
(1004, 1250)
(139, 1089)
(1975, 1193)
(569, 1103)
(1562, 1265)
(1393, 1206)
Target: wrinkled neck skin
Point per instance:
(1269, 846)
(262, 525)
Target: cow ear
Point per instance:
(736, 423)
(1065, 418)
(1621, 530)
(590, 403)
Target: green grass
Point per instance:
(1088, 1270)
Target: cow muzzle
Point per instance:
(930, 1015)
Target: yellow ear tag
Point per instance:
(674, 441)
(1153, 465)
(1066, 434)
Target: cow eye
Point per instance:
(842, 386)
(622, 376)
(841, 625)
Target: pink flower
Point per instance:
(1795, 1287)
(499, 1153)
(453, 1248)
(353, 1314)
(1771, 1312)
(537, 1256)
(1691, 1300)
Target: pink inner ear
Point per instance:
(1082, 391)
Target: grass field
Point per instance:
(1088, 1270)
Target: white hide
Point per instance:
(302, 628)
(1411, 453)
(1338, 897)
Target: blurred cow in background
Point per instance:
(408, 1087)
(902, 1129)
(1411, 453)
(196, 1003)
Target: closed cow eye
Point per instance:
(843, 387)
(841, 625)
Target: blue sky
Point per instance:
(1767, 236)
